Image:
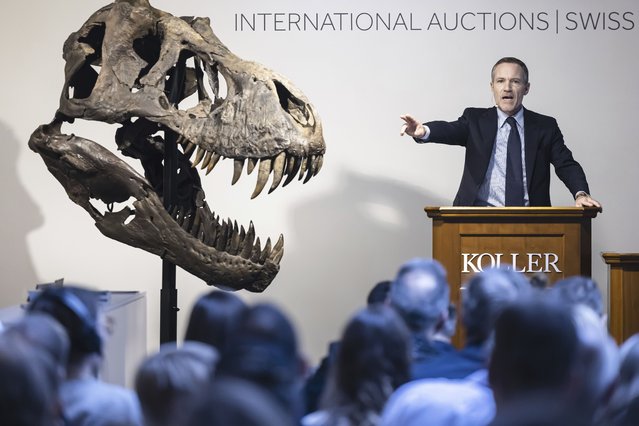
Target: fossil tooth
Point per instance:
(198, 156)
(214, 159)
(250, 165)
(189, 149)
(278, 170)
(211, 234)
(292, 172)
(197, 221)
(303, 168)
(207, 160)
(234, 244)
(248, 242)
(266, 252)
(262, 177)
(238, 164)
(257, 250)
(279, 245)
(223, 237)
(278, 251)
(242, 234)
(309, 173)
(318, 166)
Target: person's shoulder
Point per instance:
(532, 115)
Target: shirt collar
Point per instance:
(502, 116)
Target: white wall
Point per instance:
(362, 215)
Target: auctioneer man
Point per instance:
(509, 149)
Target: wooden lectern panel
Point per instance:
(554, 241)
(623, 292)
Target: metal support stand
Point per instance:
(168, 293)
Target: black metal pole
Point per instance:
(168, 293)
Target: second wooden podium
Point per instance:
(555, 241)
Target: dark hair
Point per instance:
(231, 401)
(510, 60)
(372, 361)
(578, 290)
(76, 309)
(263, 350)
(213, 318)
(535, 349)
(379, 293)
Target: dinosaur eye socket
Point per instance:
(294, 106)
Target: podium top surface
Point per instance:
(513, 212)
(621, 258)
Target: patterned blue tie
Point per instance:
(514, 170)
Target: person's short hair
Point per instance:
(535, 349)
(578, 290)
(420, 293)
(27, 395)
(510, 60)
(485, 296)
(213, 318)
(76, 309)
(379, 293)
(167, 380)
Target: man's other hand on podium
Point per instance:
(584, 200)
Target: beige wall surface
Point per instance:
(362, 215)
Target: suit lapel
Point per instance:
(488, 130)
(531, 142)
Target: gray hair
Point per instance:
(485, 296)
(420, 293)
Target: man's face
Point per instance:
(509, 87)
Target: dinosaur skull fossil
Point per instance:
(122, 66)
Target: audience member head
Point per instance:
(48, 336)
(448, 328)
(578, 290)
(77, 310)
(263, 349)
(539, 281)
(421, 296)
(213, 318)
(534, 351)
(380, 293)
(27, 393)
(440, 402)
(372, 361)
(597, 363)
(485, 296)
(231, 401)
(166, 381)
(624, 402)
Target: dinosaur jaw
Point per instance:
(220, 253)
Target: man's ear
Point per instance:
(527, 88)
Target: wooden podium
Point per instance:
(623, 294)
(555, 241)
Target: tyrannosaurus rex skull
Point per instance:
(122, 66)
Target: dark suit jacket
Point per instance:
(476, 130)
